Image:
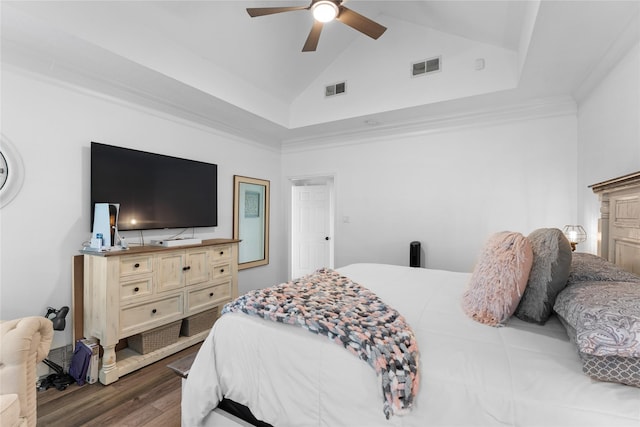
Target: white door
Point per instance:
(311, 229)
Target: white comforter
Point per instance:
(471, 374)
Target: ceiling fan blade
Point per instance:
(261, 11)
(314, 35)
(360, 23)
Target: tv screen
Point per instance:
(154, 191)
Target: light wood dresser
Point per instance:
(134, 291)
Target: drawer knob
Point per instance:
(136, 265)
(222, 270)
(221, 252)
(186, 268)
(136, 289)
(211, 294)
(154, 311)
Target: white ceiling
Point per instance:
(267, 50)
(209, 62)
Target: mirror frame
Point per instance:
(238, 192)
(11, 171)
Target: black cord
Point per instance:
(54, 366)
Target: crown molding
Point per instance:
(535, 109)
(160, 108)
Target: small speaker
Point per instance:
(414, 254)
(105, 222)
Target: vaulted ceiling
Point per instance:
(211, 63)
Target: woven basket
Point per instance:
(156, 338)
(198, 322)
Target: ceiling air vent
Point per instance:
(425, 67)
(335, 89)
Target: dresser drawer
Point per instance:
(141, 317)
(131, 265)
(220, 253)
(221, 271)
(198, 299)
(133, 290)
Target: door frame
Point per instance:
(292, 181)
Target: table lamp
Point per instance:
(575, 234)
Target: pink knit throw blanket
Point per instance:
(329, 304)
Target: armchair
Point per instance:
(23, 344)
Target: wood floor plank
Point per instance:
(170, 400)
(135, 418)
(139, 402)
(150, 396)
(169, 418)
(72, 408)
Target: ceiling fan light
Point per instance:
(325, 11)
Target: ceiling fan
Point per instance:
(325, 11)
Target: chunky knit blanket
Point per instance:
(329, 304)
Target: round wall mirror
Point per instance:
(11, 171)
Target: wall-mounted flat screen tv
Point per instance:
(154, 191)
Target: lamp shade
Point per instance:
(325, 10)
(575, 234)
(58, 320)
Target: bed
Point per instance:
(515, 373)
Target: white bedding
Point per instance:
(471, 374)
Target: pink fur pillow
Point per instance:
(499, 278)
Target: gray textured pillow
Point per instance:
(548, 276)
(592, 268)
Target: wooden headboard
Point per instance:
(619, 223)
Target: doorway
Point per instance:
(312, 224)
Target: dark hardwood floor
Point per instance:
(147, 397)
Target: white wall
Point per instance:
(44, 226)
(608, 137)
(449, 189)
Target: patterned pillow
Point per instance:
(605, 316)
(499, 278)
(549, 273)
(623, 370)
(589, 267)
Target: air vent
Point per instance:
(427, 66)
(335, 89)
